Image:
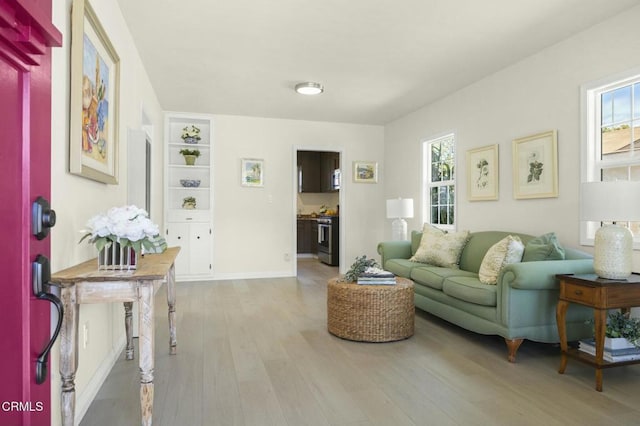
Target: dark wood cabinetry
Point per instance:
(316, 171)
(307, 236)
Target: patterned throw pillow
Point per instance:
(440, 248)
(508, 250)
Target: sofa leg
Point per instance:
(512, 347)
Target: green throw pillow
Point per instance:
(545, 247)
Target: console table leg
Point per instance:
(600, 319)
(171, 301)
(128, 326)
(146, 350)
(68, 354)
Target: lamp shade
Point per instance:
(399, 208)
(610, 201)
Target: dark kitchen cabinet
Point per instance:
(307, 236)
(316, 171)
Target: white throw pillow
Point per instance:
(440, 248)
(508, 250)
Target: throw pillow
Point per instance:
(545, 247)
(508, 250)
(429, 233)
(440, 248)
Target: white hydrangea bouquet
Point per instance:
(129, 226)
(191, 132)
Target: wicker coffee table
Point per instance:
(370, 313)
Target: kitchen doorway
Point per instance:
(319, 198)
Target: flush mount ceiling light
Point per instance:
(309, 88)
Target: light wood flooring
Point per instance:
(257, 352)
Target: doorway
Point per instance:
(319, 197)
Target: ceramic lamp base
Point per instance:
(399, 229)
(613, 252)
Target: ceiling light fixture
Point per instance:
(309, 88)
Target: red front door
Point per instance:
(26, 35)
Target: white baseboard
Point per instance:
(252, 275)
(84, 399)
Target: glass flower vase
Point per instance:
(117, 258)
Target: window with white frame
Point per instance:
(439, 183)
(611, 111)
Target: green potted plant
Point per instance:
(622, 330)
(190, 134)
(358, 267)
(189, 203)
(190, 155)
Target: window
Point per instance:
(612, 150)
(439, 182)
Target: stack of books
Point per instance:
(376, 276)
(610, 354)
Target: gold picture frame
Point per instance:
(95, 89)
(535, 166)
(365, 171)
(483, 173)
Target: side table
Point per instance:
(601, 294)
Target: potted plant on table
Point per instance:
(190, 155)
(190, 134)
(622, 331)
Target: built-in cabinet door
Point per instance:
(199, 249)
(178, 235)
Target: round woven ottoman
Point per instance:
(370, 313)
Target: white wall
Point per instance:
(255, 227)
(537, 94)
(76, 199)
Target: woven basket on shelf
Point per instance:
(370, 313)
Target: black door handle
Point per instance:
(42, 218)
(41, 275)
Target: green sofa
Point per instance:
(521, 306)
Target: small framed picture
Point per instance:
(252, 171)
(535, 166)
(365, 171)
(482, 173)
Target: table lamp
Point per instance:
(398, 209)
(611, 201)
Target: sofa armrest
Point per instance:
(394, 250)
(541, 275)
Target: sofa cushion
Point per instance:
(545, 247)
(400, 267)
(439, 248)
(471, 290)
(434, 276)
(508, 250)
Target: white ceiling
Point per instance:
(378, 59)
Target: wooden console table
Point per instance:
(600, 294)
(83, 283)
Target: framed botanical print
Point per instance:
(483, 173)
(95, 86)
(535, 166)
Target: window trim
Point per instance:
(426, 180)
(590, 147)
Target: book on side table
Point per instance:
(612, 355)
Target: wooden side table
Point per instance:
(600, 294)
(83, 283)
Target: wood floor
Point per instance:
(256, 352)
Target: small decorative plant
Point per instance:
(621, 325)
(189, 202)
(358, 267)
(194, 152)
(191, 132)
